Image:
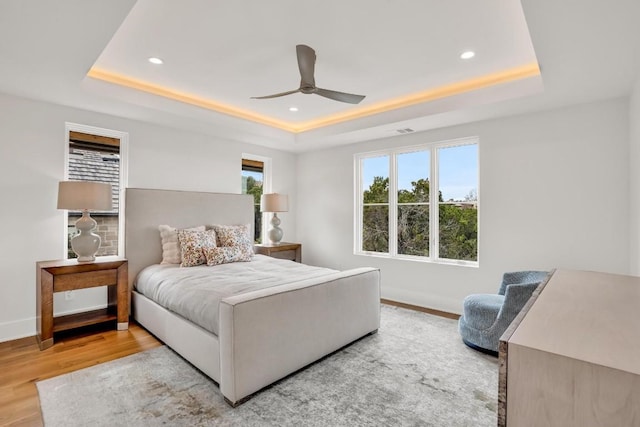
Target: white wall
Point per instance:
(32, 145)
(634, 179)
(553, 193)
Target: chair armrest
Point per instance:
(524, 277)
(517, 294)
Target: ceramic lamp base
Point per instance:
(86, 243)
(275, 232)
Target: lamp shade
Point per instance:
(274, 202)
(81, 195)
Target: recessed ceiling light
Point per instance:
(294, 109)
(155, 60)
(468, 54)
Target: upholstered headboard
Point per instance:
(145, 209)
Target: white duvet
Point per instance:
(195, 292)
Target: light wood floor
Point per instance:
(22, 364)
(421, 309)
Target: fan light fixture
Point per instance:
(468, 54)
(306, 65)
(156, 61)
(294, 109)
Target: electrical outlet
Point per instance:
(68, 295)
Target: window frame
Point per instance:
(434, 203)
(124, 175)
(266, 185)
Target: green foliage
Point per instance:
(459, 232)
(255, 189)
(376, 229)
(418, 194)
(378, 191)
(458, 222)
(376, 218)
(413, 230)
(413, 220)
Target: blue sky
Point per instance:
(256, 175)
(458, 170)
(245, 174)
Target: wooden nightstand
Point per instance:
(292, 251)
(69, 274)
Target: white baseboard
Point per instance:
(17, 329)
(22, 328)
(428, 301)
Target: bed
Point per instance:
(262, 335)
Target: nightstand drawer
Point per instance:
(89, 279)
(290, 251)
(291, 255)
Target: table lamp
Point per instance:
(275, 203)
(85, 196)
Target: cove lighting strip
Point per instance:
(505, 76)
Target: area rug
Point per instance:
(414, 372)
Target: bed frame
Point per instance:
(264, 335)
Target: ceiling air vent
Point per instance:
(405, 130)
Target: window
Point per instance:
(97, 155)
(375, 206)
(398, 216)
(253, 183)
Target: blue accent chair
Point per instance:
(486, 316)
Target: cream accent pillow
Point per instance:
(170, 247)
(193, 245)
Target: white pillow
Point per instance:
(170, 247)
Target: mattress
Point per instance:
(195, 292)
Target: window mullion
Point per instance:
(434, 207)
(358, 206)
(393, 205)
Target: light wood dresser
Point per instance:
(572, 356)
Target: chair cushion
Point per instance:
(481, 310)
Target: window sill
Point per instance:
(459, 263)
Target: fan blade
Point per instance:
(340, 96)
(306, 64)
(276, 95)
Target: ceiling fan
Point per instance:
(306, 64)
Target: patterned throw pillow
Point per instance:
(192, 245)
(170, 245)
(226, 254)
(235, 235)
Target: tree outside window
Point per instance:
(375, 219)
(252, 183)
